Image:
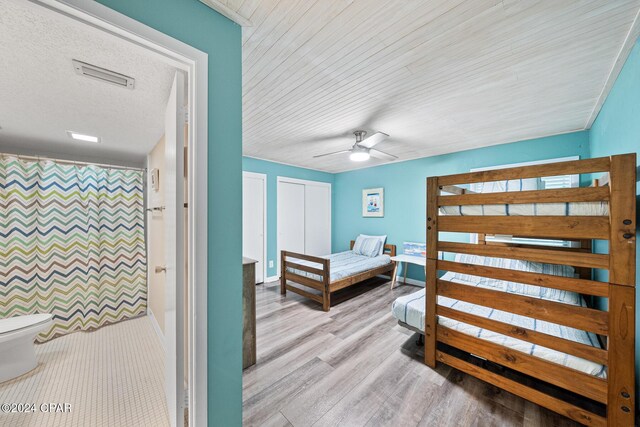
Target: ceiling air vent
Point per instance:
(102, 74)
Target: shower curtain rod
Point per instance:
(72, 162)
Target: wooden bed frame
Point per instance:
(325, 286)
(609, 401)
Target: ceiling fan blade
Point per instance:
(331, 154)
(327, 138)
(381, 155)
(373, 140)
(372, 120)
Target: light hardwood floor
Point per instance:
(354, 366)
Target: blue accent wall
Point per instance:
(273, 171)
(616, 130)
(194, 23)
(405, 187)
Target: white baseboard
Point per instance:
(414, 282)
(271, 279)
(156, 326)
(400, 280)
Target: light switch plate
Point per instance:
(270, 263)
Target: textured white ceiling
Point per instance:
(41, 96)
(438, 76)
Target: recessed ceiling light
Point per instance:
(82, 137)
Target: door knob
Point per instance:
(161, 269)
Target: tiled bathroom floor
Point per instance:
(111, 377)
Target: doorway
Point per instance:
(254, 221)
(192, 65)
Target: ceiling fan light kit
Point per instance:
(359, 154)
(362, 149)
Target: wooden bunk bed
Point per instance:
(319, 278)
(588, 399)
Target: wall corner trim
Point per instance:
(225, 10)
(621, 58)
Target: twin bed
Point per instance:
(327, 274)
(410, 312)
(514, 314)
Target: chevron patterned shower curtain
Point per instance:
(71, 244)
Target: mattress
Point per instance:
(530, 209)
(410, 309)
(341, 265)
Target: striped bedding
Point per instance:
(518, 288)
(530, 209)
(342, 264)
(410, 309)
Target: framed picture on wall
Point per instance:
(373, 202)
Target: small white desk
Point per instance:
(407, 259)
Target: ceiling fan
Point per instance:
(363, 149)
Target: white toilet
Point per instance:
(17, 353)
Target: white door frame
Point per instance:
(194, 63)
(263, 177)
(280, 179)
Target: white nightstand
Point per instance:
(407, 259)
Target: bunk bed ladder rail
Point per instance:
(622, 270)
(617, 324)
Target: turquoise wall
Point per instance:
(617, 131)
(199, 26)
(404, 200)
(405, 187)
(273, 171)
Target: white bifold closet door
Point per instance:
(291, 217)
(304, 217)
(317, 220)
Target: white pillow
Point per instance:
(382, 241)
(367, 246)
(508, 186)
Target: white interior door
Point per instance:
(317, 214)
(290, 218)
(174, 251)
(253, 220)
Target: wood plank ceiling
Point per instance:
(438, 76)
